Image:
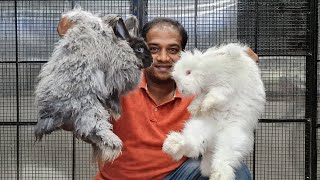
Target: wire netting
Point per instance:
(278, 30)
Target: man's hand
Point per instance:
(64, 25)
(252, 55)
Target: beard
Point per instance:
(158, 77)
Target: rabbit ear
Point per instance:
(110, 19)
(132, 25)
(120, 30)
(77, 7)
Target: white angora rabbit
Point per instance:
(95, 63)
(229, 99)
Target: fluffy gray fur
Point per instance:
(80, 85)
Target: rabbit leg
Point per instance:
(191, 142)
(93, 125)
(195, 105)
(205, 165)
(49, 122)
(196, 133)
(106, 145)
(233, 144)
(44, 126)
(174, 145)
(217, 98)
(114, 104)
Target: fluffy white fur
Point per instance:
(229, 99)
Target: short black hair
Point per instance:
(166, 21)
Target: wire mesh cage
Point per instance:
(283, 33)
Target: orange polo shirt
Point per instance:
(143, 127)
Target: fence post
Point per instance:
(311, 93)
(140, 9)
(73, 174)
(17, 84)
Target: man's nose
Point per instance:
(163, 56)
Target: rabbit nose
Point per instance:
(147, 61)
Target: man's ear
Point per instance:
(132, 25)
(120, 30)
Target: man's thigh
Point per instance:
(191, 170)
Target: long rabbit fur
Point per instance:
(80, 85)
(229, 98)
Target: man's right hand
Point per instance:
(64, 25)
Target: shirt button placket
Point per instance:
(154, 115)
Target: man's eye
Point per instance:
(153, 49)
(173, 51)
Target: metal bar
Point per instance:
(135, 7)
(195, 23)
(73, 158)
(260, 55)
(254, 157)
(282, 55)
(281, 120)
(17, 84)
(139, 9)
(31, 62)
(18, 124)
(72, 4)
(144, 13)
(256, 27)
(260, 121)
(256, 51)
(73, 141)
(311, 93)
(7, 62)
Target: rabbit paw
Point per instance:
(223, 172)
(208, 104)
(108, 153)
(115, 116)
(111, 147)
(173, 145)
(193, 109)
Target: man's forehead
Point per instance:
(168, 44)
(164, 35)
(165, 26)
(164, 42)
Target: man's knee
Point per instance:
(243, 173)
(188, 170)
(191, 170)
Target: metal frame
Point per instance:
(140, 9)
(311, 94)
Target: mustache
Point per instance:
(162, 65)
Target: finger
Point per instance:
(64, 25)
(252, 55)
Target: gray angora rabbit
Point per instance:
(95, 63)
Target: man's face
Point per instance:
(165, 45)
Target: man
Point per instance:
(152, 110)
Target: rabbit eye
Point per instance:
(140, 50)
(188, 72)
